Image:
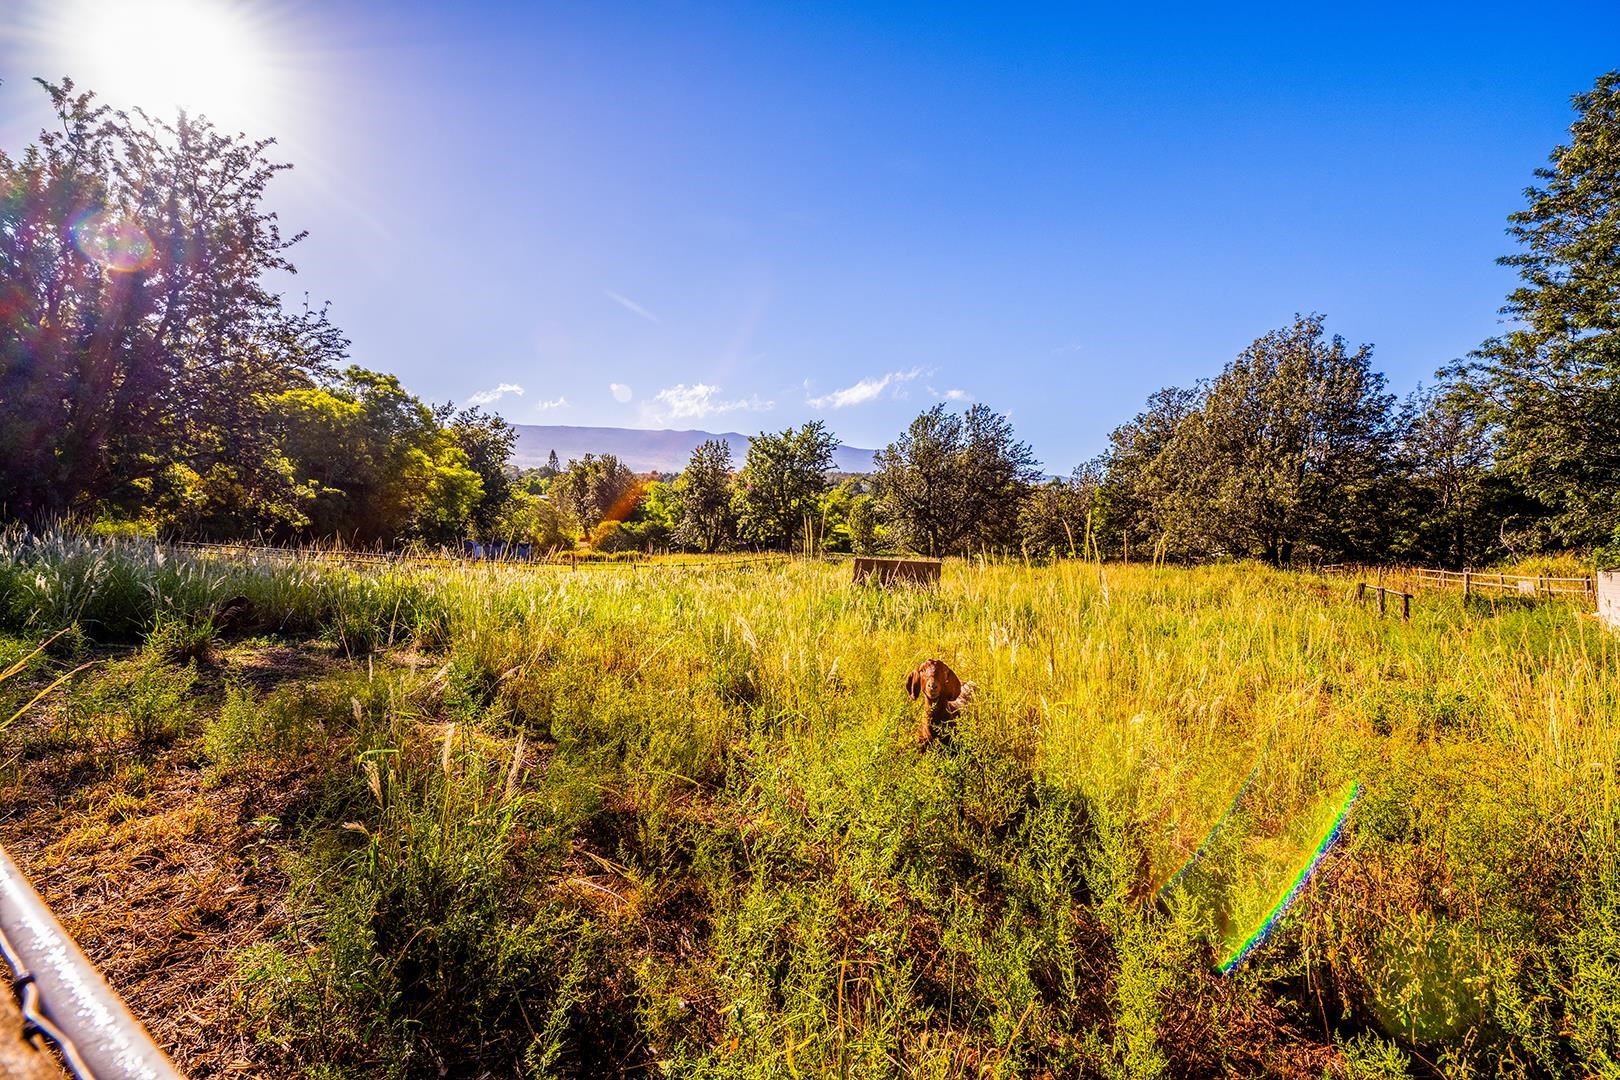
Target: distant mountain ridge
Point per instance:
(646, 450)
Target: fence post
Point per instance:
(1467, 583)
(1361, 591)
(1406, 607)
(1380, 599)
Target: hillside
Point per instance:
(646, 450)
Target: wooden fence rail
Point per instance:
(1521, 584)
(452, 558)
(1383, 593)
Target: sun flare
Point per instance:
(209, 57)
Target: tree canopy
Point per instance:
(956, 481)
(1549, 387)
(137, 330)
(781, 483)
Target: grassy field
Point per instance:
(669, 820)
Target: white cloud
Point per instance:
(682, 402)
(863, 391)
(630, 305)
(489, 397)
(621, 393)
(558, 403)
(950, 395)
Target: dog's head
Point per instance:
(934, 682)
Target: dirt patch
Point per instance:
(164, 872)
(165, 892)
(268, 666)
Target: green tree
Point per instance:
(1290, 447)
(1059, 517)
(920, 491)
(1126, 519)
(1550, 386)
(487, 440)
(997, 474)
(595, 489)
(653, 524)
(865, 526)
(526, 518)
(138, 331)
(837, 508)
(1455, 504)
(227, 501)
(782, 482)
(708, 519)
(375, 463)
(954, 482)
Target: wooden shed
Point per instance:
(888, 571)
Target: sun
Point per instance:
(208, 57)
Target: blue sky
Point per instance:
(737, 217)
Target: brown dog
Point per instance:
(942, 692)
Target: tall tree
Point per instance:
(487, 440)
(782, 482)
(1289, 448)
(953, 482)
(997, 472)
(595, 488)
(1455, 504)
(918, 483)
(137, 327)
(375, 463)
(1130, 491)
(708, 520)
(1551, 384)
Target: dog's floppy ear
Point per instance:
(914, 684)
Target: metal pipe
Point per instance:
(103, 1040)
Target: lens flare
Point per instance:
(1209, 840)
(627, 503)
(112, 243)
(1286, 900)
(1232, 878)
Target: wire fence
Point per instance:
(63, 998)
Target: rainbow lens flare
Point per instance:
(1247, 873)
(112, 243)
(1274, 916)
(1209, 840)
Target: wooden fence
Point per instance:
(888, 571)
(1383, 594)
(455, 558)
(1470, 581)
